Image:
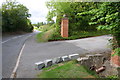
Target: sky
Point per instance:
(37, 9)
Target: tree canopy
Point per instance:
(88, 16)
(71, 9)
(108, 17)
(15, 17)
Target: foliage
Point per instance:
(55, 35)
(81, 34)
(39, 24)
(48, 31)
(108, 17)
(15, 17)
(117, 52)
(112, 77)
(67, 70)
(0, 19)
(71, 9)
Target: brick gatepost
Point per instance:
(64, 27)
(115, 60)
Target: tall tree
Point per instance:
(15, 17)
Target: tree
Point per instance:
(108, 17)
(38, 24)
(15, 17)
(0, 20)
(71, 9)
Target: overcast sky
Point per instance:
(37, 8)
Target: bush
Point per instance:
(81, 34)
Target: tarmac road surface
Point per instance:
(34, 52)
(11, 46)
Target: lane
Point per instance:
(11, 39)
(35, 52)
(8, 37)
(11, 47)
(0, 58)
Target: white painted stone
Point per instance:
(74, 56)
(48, 62)
(79, 59)
(57, 60)
(65, 58)
(98, 55)
(39, 65)
(85, 58)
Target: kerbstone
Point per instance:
(85, 58)
(74, 56)
(57, 60)
(65, 58)
(84, 61)
(91, 60)
(48, 62)
(79, 59)
(39, 65)
(90, 56)
(98, 55)
(98, 60)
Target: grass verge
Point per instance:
(44, 36)
(52, 33)
(67, 70)
(81, 34)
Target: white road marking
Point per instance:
(11, 39)
(17, 63)
(13, 75)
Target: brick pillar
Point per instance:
(115, 60)
(64, 27)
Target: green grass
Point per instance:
(67, 70)
(49, 33)
(117, 52)
(44, 36)
(112, 77)
(39, 37)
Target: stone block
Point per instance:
(90, 56)
(91, 60)
(98, 55)
(98, 60)
(57, 60)
(85, 58)
(79, 59)
(48, 62)
(85, 61)
(74, 56)
(39, 65)
(65, 58)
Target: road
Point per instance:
(34, 52)
(11, 46)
